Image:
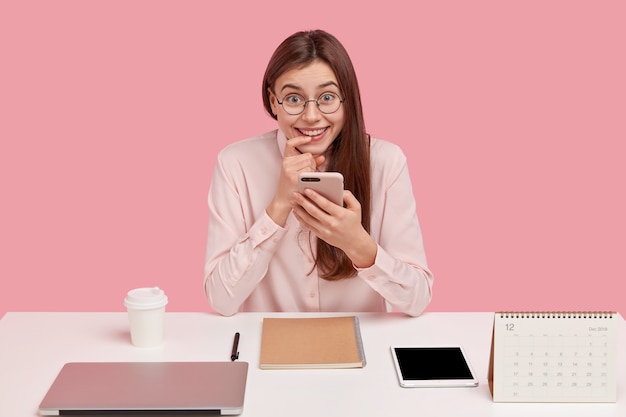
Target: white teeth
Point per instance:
(312, 132)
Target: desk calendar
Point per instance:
(554, 357)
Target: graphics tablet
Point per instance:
(432, 366)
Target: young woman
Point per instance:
(271, 248)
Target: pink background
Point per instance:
(512, 115)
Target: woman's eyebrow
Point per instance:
(295, 87)
(328, 84)
(292, 86)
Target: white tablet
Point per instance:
(433, 366)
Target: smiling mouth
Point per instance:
(312, 132)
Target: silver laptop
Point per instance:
(147, 388)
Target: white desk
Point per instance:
(34, 346)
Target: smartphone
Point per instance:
(433, 366)
(328, 184)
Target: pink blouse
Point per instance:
(252, 264)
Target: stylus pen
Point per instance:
(235, 353)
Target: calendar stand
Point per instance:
(553, 357)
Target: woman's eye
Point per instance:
(327, 97)
(293, 99)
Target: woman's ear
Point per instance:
(273, 101)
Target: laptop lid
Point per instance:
(133, 388)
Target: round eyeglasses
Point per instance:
(295, 104)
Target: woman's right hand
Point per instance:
(293, 163)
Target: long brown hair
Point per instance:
(350, 151)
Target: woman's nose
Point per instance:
(311, 111)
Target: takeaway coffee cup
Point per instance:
(146, 311)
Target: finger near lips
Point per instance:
(293, 143)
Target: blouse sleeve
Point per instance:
(237, 255)
(400, 273)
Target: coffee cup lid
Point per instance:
(145, 298)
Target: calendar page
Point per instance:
(554, 357)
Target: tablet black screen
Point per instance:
(429, 363)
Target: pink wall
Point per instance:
(512, 115)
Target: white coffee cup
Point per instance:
(146, 312)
